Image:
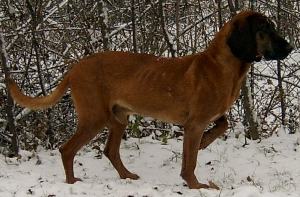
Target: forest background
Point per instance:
(41, 39)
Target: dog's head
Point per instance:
(254, 36)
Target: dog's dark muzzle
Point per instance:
(280, 49)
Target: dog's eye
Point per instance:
(262, 25)
(271, 25)
(266, 27)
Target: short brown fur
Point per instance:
(193, 91)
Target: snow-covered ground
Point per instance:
(270, 168)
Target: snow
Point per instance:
(269, 168)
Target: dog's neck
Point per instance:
(221, 52)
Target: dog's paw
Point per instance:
(73, 180)
(130, 176)
(213, 185)
(198, 186)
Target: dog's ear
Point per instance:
(242, 41)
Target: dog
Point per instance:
(192, 91)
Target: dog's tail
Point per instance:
(38, 102)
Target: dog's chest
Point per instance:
(236, 89)
(227, 95)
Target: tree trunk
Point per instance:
(219, 13)
(250, 113)
(104, 25)
(252, 66)
(134, 45)
(279, 76)
(252, 2)
(9, 106)
(177, 26)
(232, 8)
(166, 34)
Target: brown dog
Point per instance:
(192, 91)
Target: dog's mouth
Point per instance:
(258, 56)
(267, 55)
(278, 51)
(277, 56)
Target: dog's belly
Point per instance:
(178, 117)
(161, 111)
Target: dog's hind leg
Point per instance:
(212, 134)
(91, 119)
(112, 148)
(85, 132)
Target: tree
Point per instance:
(9, 105)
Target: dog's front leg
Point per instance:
(212, 134)
(191, 142)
